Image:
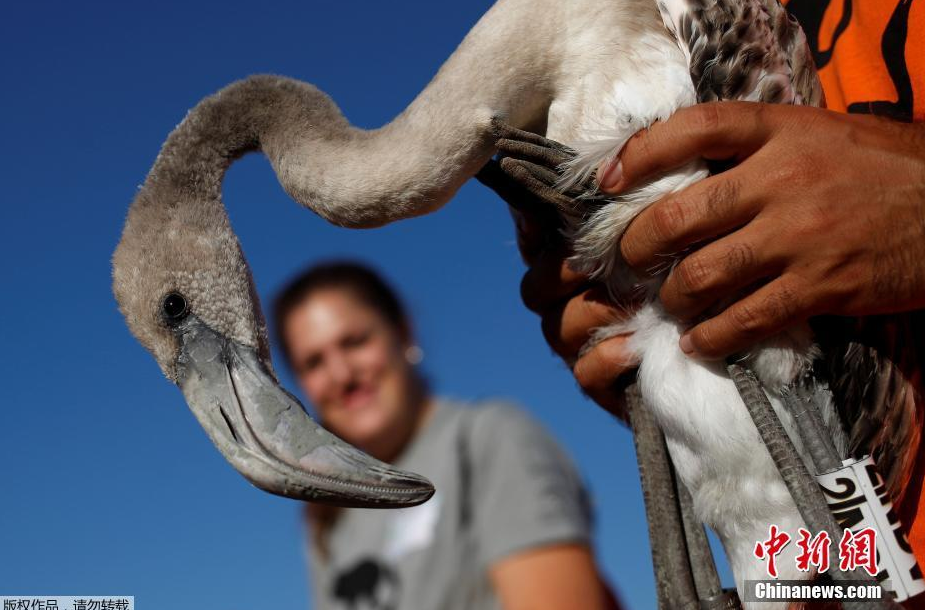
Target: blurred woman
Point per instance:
(509, 526)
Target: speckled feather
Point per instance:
(872, 367)
(753, 50)
(743, 50)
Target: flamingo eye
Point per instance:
(175, 307)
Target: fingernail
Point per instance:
(609, 174)
(687, 346)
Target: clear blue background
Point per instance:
(107, 483)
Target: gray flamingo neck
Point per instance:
(355, 177)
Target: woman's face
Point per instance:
(350, 362)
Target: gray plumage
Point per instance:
(581, 67)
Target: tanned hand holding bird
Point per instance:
(585, 73)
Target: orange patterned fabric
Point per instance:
(871, 60)
(870, 54)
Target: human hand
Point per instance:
(571, 307)
(823, 213)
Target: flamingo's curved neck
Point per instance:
(504, 68)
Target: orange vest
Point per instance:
(870, 53)
(871, 59)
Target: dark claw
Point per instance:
(544, 175)
(538, 181)
(529, 172)
(538, 153)
(551, 158)
(509, 189)
(547, 177)
(530, 146)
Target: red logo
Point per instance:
(814, 551)
(858, 550)
(855, 550)
(771, 548)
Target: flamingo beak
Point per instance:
(265, 433)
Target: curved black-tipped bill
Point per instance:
(269, 438)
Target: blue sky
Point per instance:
(107, 483)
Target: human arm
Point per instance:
(822, 213)
(532, 521)
(557, 577)
(571, 307)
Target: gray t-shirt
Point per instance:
(503, 485)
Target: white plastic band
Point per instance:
(857, 497)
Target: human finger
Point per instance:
(568, 326)
(531, 234)
(702, 211)
(716, 271)
(768, 311)
(718, 130)
(605, 370)
(550, 279)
